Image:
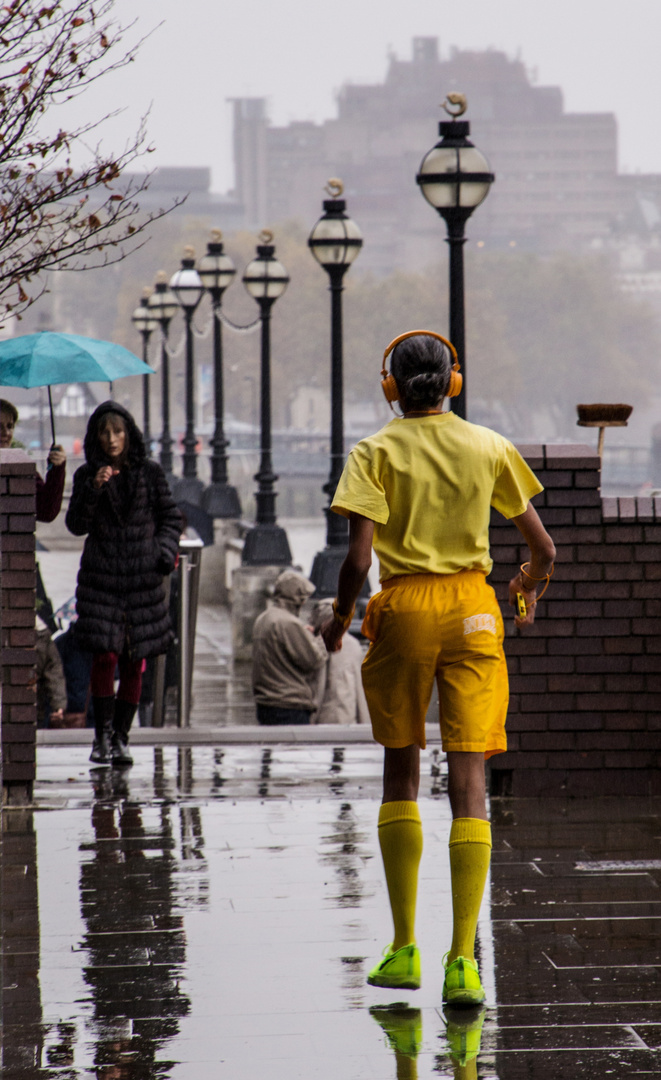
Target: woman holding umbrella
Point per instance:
(49, 501)
(50, 490)
(121, 500)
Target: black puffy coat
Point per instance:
(133, 528)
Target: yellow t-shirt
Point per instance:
(428, 484)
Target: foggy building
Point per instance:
(557, 184)
(556, 172)
(637, 238)
(191, 183)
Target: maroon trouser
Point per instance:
(103, 677)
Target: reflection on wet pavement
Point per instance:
(134, 933)
(213, 911)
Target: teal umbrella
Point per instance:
(48, 358)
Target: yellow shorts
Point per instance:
(446, 627)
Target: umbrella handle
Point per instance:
(52, 418)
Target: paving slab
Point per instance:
(212, 912)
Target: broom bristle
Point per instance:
(600, 412)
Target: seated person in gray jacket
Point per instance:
(340, 695)
(287, 655)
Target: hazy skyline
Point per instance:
(298, 55)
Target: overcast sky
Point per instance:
(297, 53)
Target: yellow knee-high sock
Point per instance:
(470, 854)
(400, 838)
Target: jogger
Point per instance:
(420, 491)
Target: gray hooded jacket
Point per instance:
(286, 655)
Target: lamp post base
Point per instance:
(171, 479)
(221, 501)
(326, 570)
(266, 545)
(188, 489)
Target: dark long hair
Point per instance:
(9, 407)
(421, 366)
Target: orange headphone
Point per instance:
(388, 384)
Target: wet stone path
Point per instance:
(212, 913)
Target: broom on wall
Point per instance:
(603, 416)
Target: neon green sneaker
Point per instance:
(402, 1025)
(462, 984)
(464, 1032)
(398, 970)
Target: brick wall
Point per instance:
(585, 681)
(18, 582)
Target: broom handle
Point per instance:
(600, 444)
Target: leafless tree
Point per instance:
(54, 215)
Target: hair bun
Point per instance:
(420, 388)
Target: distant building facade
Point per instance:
(557, 183)
(193, 184)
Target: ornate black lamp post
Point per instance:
(188, 289)
(455, 178)
(163, 305)
(216, 271)
(266, 544)
(335, 242)
(145, 323)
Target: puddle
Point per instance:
(213, 913)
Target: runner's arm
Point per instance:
(353, 574)
(542, 554)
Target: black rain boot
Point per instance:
(104, 711)
(124, 713)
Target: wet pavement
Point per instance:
(213, 911)
(222, 687)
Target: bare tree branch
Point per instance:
(52, 215)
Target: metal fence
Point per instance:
(301, 461)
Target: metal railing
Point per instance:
(186, 581)
(190, 560)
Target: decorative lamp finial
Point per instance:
(455, 104)
(334, 187)
(265, 236)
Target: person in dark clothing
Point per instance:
(51, 684)
(50, 490)
(48, 505)
(77, 666)
(123, 502)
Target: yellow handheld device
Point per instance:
(521, 608)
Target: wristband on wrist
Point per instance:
(546, 578)
(344, 620)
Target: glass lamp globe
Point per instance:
(335, 240)
(143, 317)
(162, 302)
(455, 176)
(216, 269)
(186, 284)
(265, 277)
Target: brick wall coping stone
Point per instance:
(332, 734)
(638, 508)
